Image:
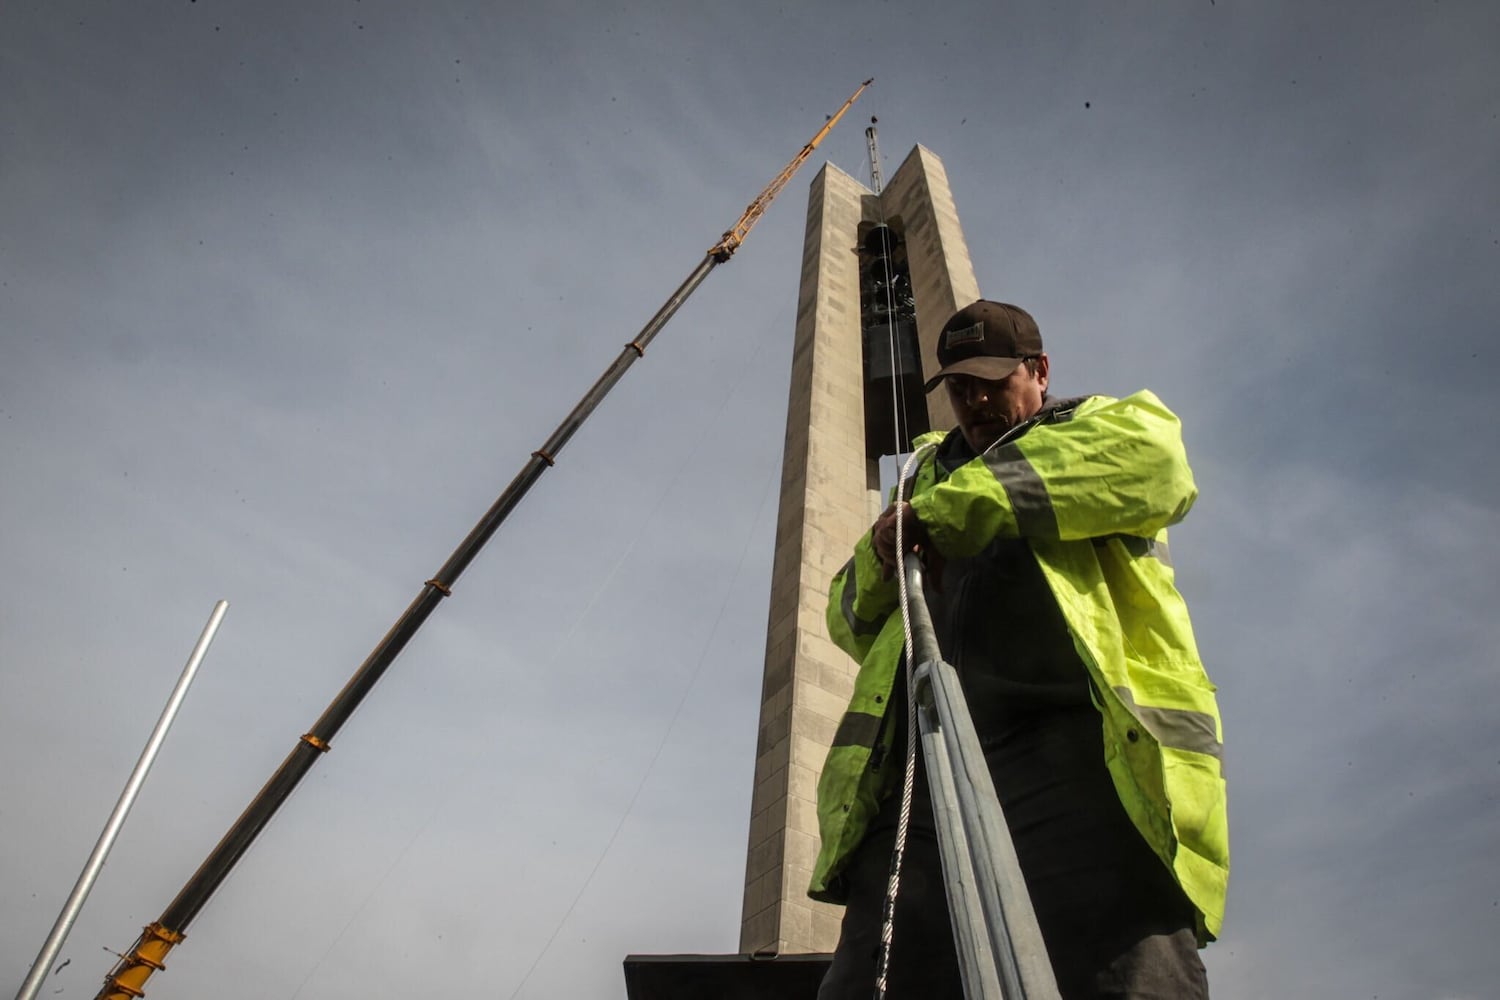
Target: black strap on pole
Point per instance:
(129, 975)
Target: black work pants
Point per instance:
(1114, 921)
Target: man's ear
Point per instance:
(1041, 370)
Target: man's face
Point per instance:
(987, 409)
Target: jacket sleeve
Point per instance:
(1115, 466)
(859, 601)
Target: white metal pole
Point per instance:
(95, 864)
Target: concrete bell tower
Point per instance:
(881, 274)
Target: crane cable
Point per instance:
(900, 427)
(708, 432)
(898, 395)
(771, 477)
(908, 779)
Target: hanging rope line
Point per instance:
(770, 478)
(900, 432)
(364, 904)
(898, 390)
(898, 852)
(660, 746)
(707, 433)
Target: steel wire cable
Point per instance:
(901, 426)
(908, 779)
(707, 434)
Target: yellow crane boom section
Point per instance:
(731, 240)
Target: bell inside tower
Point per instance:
(895, 405)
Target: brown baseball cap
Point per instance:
(987, 340)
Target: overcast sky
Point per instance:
(289, 292)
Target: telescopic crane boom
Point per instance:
(735, 235)
(128, 978)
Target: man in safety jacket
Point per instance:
(1043, 523)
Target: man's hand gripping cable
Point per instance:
(887, 926)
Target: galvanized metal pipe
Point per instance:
(95, 864)
(1000, 949)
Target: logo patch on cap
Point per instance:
(968, 335)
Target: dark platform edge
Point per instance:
(724, 977)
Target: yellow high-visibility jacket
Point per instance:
(1091, 487)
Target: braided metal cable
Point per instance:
(898, 852)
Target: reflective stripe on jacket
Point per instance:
(1092, 489)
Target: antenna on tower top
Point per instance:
(875, 182)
